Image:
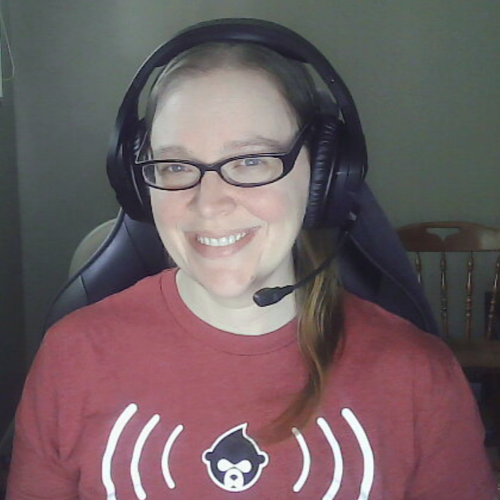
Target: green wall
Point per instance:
(425, 75)
(11, 291)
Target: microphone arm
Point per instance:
(268, 296)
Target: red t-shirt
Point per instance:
(135, 398)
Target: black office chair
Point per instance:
(131, 251)
(372, 262)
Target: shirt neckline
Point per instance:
(214, 338)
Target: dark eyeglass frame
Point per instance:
(288, 159)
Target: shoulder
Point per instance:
(383, 339)
(386, 354)
(116, 315)
(144, 296)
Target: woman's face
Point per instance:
(230, 240)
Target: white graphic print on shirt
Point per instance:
(235, 462)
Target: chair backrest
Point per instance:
(89, 246)
(131, 251)
(452, 237)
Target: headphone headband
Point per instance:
(265, 33)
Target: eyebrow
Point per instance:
(271, 145)
(256, 141)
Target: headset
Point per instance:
(338, 159)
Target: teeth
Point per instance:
(221, 242)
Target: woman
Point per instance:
(182, 387)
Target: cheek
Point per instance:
(268, 205)
(166, 211)
(282, 205)
(271, 207)
(287, 199)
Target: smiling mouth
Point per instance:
(221, 242)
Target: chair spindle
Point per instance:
(468, 296)
(444, 294)
(495, 292)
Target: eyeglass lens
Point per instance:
(242, 171)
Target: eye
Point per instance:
(252, 162)
(170, 168)
(253, 169)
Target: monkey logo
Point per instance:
(235, 461)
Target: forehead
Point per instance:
(220, 106)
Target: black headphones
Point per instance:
(338, 161)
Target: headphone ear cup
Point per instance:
(131, 191)
(324, 153)
(341, 205)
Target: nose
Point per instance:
(213, 196)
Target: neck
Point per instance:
(239, 315)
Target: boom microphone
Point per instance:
(269, 296)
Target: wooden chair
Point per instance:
(477, 351)
(474, 349)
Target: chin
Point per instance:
(235, 283)
(226, 286)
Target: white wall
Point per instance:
(425, 76)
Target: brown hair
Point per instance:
(320, 326)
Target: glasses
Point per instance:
(249, 170)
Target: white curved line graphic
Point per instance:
(334, 487)
(306, 460)
(107, 458)
(165, 466)
(366, 450)
(136, 456)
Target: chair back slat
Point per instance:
(495, 298)
(444, 293)
(469, 288)
(466, 238)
